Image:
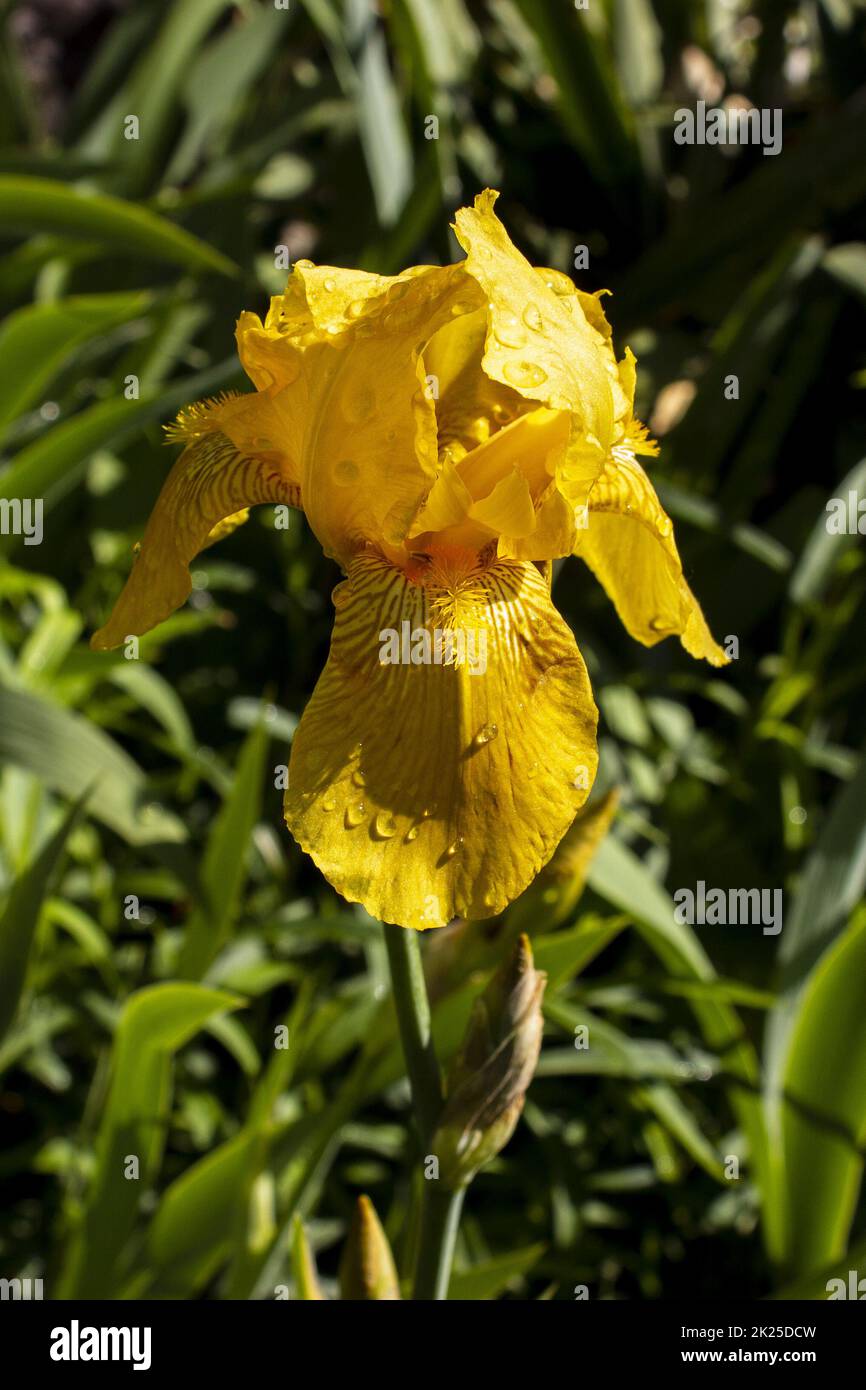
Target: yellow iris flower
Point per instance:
(446, 431)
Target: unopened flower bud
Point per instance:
(304, 1266)
(367, 1269)
(488, 1081)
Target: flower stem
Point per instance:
(413, 1018)
(440, 1219)
(440, 1210)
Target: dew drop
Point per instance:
(559, 283)
(384, 826)
(486, 734)
(412, 833)
(509, 331)
(532, 771)
(358, 778)
(359, 405)
(354, 814)
(329, 285)
(532, 317)
(454, 847)
(356, 309)
(659, 625)
(328, 804)
(524, 374)
(346, 472)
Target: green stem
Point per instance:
(440, 1219)
(440, 1210)
(416, 1033)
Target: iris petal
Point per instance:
(629, 545)
(426, 791)
(228, 466)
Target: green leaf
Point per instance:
(620, 878)
(824, 1110)
(152, 93)
(71, 755)
(190, 1235)
(383, 136)
(52, 465)
(831, 886)
(225, 859)
(154, 1024)
(29, 205)
(37, 340)
(489, 1278)
(564, 954)
(18, 922)
(823, 550)
(847, 264)
(220, 76)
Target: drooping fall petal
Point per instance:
(233, 460)
(629, 545)
(426, 791)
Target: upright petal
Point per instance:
(541, 344)
(429, 790)
(347, 381)
(629, 545)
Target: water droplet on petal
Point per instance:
(358, 778)
(384, 826)
(559, 283)
(328, 804)
(532, 770)
(524, 374)
(354, 814)
(509, 332)
(359, 405)
(486, 734)
(329, 285)
(412, 833)
(346, 472)
(356, 309)
(532, 317)
(454, 847)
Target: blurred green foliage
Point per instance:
(157, 926)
